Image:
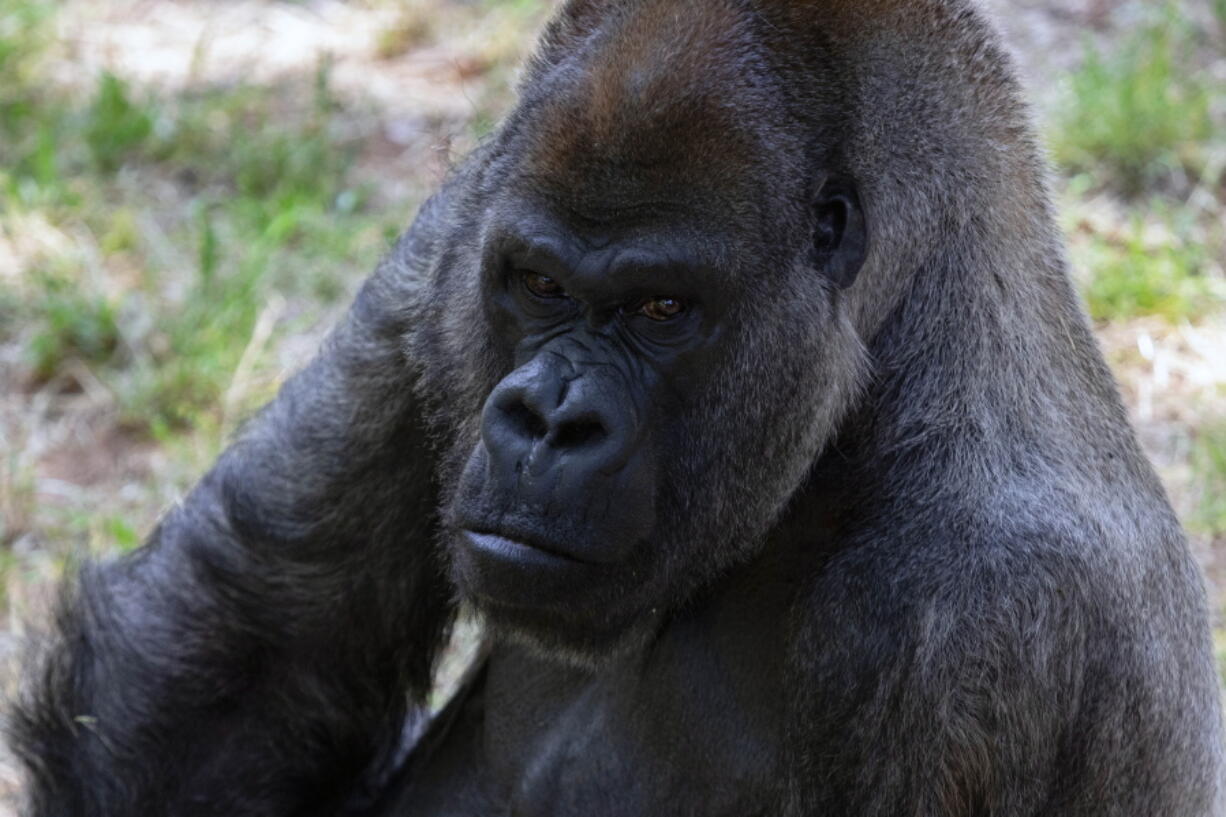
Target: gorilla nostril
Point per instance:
(579, 432)
(526, 422)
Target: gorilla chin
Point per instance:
(586, 612)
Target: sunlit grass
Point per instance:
(1141, 114)
(1142, 123)
(1150, 266)
(262, 193)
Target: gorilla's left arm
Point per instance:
(259, 654)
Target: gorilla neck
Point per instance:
(986, 373)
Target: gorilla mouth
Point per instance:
(513, 574)
(519, 550)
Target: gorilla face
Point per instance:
(676, 354)
(660, 409)
(561, 504)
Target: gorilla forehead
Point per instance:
(670, 59)
(663, 91)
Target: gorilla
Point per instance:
(738, 384)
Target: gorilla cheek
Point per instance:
(471, 497)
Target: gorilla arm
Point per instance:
(253, 657)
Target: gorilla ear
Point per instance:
(840, 234)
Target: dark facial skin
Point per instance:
(611, 335)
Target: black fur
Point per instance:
(864, 531)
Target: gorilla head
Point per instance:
(656, 262)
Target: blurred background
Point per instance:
(190, 191)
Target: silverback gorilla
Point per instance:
(738, 383)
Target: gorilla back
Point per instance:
(738, 383)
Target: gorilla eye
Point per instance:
(542, 286)
(661, 309)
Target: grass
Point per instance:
(71, 325)
(1143, 125)
(116, 127)
(1140, 116)
(1153, 265)
(263, 194)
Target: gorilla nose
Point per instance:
(543, 416)
(566, 427)
(562, 467)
